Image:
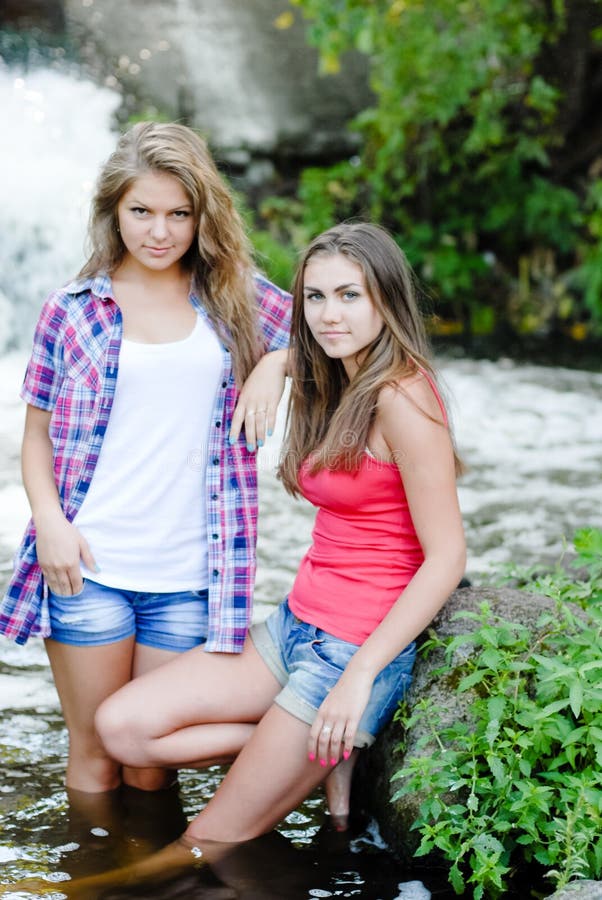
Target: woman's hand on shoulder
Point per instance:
(259, 398)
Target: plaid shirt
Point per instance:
(72, 372)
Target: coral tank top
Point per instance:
(364, 552)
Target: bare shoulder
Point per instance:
(410, 396)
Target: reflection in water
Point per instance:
(120, 828)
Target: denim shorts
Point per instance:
(101, 615)
(308, 662)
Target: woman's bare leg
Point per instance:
(153, 778)
(338, 791)
(198, 709)
(269, 778)
(84, 677)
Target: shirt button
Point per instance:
(224, 384)
(215, 573)
(218, 424)
(215, 536)
(215, 460)
(214, 496)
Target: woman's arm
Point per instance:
(423, 451)
(59, 544)
(259, 398)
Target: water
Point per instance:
(530, 435)
(56, 132)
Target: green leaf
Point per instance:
(576, 697)
(456, 879)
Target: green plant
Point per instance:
(463, 142)
(276, 259)
(522, 781)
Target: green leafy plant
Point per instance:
(463, 142)
(522, 780)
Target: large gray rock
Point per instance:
(580, 890)
(226, 68)
(372, 787)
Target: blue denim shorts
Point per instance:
(308, 662)
(101, 615)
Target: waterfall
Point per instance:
(57, 131)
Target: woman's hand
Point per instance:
(60, 546)
(333, 732)
(259, 398)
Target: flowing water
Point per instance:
(532, 440)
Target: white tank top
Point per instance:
(144, 515)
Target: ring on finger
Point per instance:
(326, 729)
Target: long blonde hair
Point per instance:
(329, 417)
(220, 259)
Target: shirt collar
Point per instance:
(99, 285)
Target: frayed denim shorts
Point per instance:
(308, 662)
(101, 615)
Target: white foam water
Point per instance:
(57, 130)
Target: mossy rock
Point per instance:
(373, 789)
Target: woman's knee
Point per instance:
(121, 731)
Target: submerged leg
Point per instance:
(338, 791)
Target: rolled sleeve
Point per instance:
(275, 312)
(45, 369)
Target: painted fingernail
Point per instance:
(231, 440)
(311, 756)
(322, 762)
(250, 448)
(97, 568)
(346, 754)
(270, 432)
(260, 443)
(333, 761)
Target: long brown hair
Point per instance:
(220, 259)
(329, 417)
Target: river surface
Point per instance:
(531, 437)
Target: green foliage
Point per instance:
(522, 780)
(589, 273)
(458, 144)
(277, 260)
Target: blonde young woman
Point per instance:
(368, 444)
(142, 538)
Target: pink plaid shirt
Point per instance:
(72, 372)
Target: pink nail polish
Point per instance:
(312, 756)
(322, 762)
(333, 761)
(346, 754)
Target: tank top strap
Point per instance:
(435, 391)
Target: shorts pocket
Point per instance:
(67, 596)
(332, 652)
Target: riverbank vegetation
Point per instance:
(482, 153)
(521, 782)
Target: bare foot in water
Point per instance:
(338, 791)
